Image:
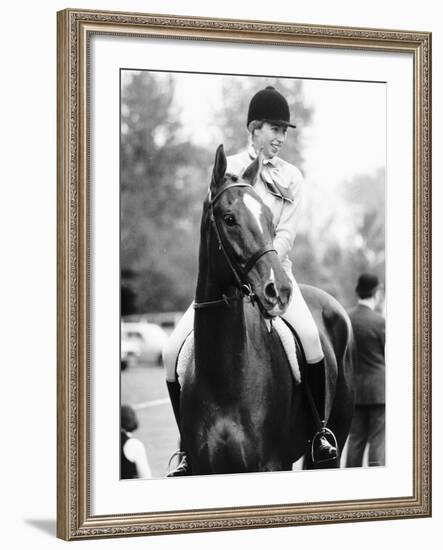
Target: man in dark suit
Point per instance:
(368, 425)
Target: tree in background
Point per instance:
(164, 178)
(161, 178)
(342, 235)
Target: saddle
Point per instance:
(287, 335)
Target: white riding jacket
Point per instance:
(280, 188)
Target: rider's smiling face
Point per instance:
(269, 138)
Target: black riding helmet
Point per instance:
(268, 105)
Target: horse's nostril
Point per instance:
(285, 295)
(270, 291)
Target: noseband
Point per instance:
(239, 273)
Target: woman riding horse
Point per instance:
(279, 184)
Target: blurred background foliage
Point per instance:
(165, 175)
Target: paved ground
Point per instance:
(144, 388)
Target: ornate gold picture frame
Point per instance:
(76, 517)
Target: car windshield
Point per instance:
(131, 335)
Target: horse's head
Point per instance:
(239, 233)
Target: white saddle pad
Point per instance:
(288, 342)
(186, 355)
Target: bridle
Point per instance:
(240, 273)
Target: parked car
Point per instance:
(129, 351)
(167, 320)
(141, 342)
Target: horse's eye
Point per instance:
(229, 219)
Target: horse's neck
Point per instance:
(222, 322)
(221, 337)
(221, 331)
(209, 287)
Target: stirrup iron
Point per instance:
(330, 437)
(178, 453)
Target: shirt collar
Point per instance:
(367, 302)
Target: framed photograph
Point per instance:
(244, 274)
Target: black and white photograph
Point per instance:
(243, 274)
(222, 251)
(252, 273)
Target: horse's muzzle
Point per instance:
(276, 298)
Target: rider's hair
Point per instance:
(255, 125)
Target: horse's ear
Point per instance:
(219, 170)
(253, 170)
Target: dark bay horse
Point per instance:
(241, 410)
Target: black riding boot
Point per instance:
(174, 395)
(323, 443)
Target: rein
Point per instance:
(238, 272)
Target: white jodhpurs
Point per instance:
(297, 315)
(300, 318)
